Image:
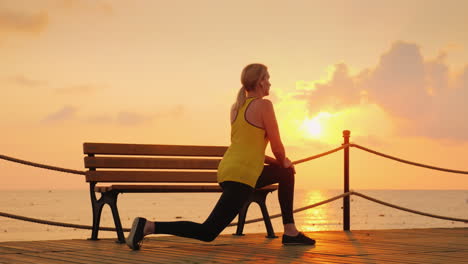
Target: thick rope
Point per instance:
(39, 221)
(406, 161)
(297, 210)
(43, 166)
(321, 155)
(38, 165)
(408, 210)
(23, 218)
(53, 223)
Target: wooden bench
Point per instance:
(162, 168)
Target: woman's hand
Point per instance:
(288, 164)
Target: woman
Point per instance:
(253, 124)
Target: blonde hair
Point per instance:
(251, 75)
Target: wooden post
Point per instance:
(346, 204)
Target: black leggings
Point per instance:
(232, 199)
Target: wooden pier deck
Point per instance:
(373, 246)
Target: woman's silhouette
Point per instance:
(242, 169)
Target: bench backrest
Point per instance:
(108, 162)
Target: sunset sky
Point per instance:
(395, 73)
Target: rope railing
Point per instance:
(345, 195)
(321, 154)
(69, 225)
(61, 224)
(54, 223)
(406, 161)
(409, 210)
(298, 209)
(43, 166)
(49, 167)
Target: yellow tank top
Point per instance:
(244, 159)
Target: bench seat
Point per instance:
(169, 188)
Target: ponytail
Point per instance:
(240, 100)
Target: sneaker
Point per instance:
(300, 239)
(136, 233)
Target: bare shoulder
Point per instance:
(265, 103)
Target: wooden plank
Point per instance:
(26, 259)
(169, 188)
(151, 176)
(156, 150)
(151, 163)
(57, 257)
(370, 246)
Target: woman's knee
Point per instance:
(209, 231)
(209, 236)
(288, 175)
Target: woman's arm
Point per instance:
(271, 127)
(271, 161)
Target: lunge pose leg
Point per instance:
(253, 125)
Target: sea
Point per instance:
(74, 206)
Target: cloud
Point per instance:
(422, 95)
(123, 118)
(398, 83)
(17, 22)
(339, 92)
(24, 81)
(130, 118)
(78, 89)
(450, 111)
(174, 112)
(85, 6)
(64, 114)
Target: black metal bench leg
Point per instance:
(115, 213)
(260, 199)
(97, 210)
(96, 206)
(267, 220)
(241, 219)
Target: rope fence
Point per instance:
(321, 154)
(409, 210)
(297, 210)
(53, 223)
(49, 167)
(42, 166)
(346, 194)
(406, 161)
(69, 225)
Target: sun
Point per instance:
(316, 127)
(312, 128)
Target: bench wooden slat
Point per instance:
(157, 150)
(169, 188)
(151, 163)
(151, 176)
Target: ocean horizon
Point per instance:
(74, 206)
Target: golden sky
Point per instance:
(395, 73)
